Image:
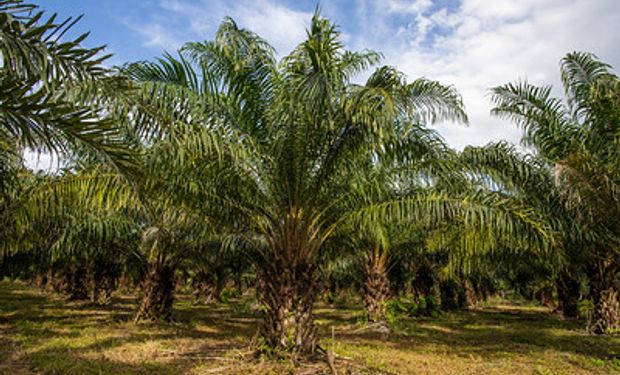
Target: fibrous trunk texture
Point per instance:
(376, 286)
(77, 284)
(40, 280)
(568, 289)
(287, 284)
(604, 293)
(126, 283)
(57, 281)
(288, 292)
(544, 296)
(103, 283)
(206, 287)
(606, 317)
(157, 292)
(469, 294)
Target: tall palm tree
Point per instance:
(50, 88)
(578, 140)
(291, 141)
(53, 92)
(70, 104)
(529, 178)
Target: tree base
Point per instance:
(157, 294)
(607, 313)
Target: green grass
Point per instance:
(43, 333)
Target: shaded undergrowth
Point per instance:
(41, 332)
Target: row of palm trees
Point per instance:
(221, 150)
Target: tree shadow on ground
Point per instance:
(42, 332)
(59, 336)
(489, 333)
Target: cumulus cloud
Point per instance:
(472, 44)
(480, 44)
(157, 35)
(187, 20)
(282, 27)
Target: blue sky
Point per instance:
(472, 44)
(141, 29)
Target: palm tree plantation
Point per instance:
(223, 209)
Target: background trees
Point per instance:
(576, 140)
(47, 86)
(49, 95)
(290, 166)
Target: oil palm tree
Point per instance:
(49, 88)
(52, 96)
(577, 139)
(100, 213)
(291, 140)
(530, 179)
(73, 106)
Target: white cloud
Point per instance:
(485, 44)
(283, 27)
(403, 6)
(157, 35)
(475, 45)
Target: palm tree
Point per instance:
(50, 89)
(100, 215)
(315, 132)
(57, 97)
(577, 140)
(52, 98)
(276, 154)
(529, 178)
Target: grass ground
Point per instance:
(43, 333)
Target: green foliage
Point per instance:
(576, 141)
(284, 174)
(411, 307)
(229, 294)
(51, 92)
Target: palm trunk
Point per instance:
(77, 285)
(606, 314)
(469, 294)
(40, 281)
(544, 296)
(606, 317)
(376, 287)
(288, 285)
(238, 280)
(49, 280)
(568, 289)
(206, 288)
(424, 282)
(157, 292)
(58, 281)
(220, 284)
(288, 289)
(452, 295)
(126, 283)
(103, 283)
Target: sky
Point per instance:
(471, 44)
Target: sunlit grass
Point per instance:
(43, 333)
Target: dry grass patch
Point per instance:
(43, 333)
